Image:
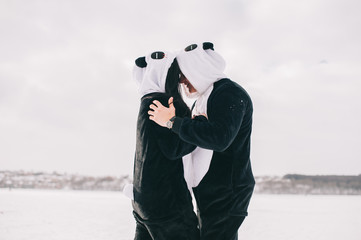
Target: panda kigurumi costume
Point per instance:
(162, 204)
(221, 178)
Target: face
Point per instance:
(185, 81)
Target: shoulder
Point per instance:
(227, 87)
(143, 116)
(149, 98)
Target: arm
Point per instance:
(225, 114)
(170, 143)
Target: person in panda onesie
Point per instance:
(162, 204)
(220, 172)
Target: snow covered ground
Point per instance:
(63, 215)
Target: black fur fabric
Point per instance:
(227, 187)
(140, 62)
(160, 190)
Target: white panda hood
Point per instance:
(150, 72)
(201, 65)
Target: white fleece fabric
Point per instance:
(202, 68)
(152, 77)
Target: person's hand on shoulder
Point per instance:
(161, 114)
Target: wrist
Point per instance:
(177, 125)
(169, 123)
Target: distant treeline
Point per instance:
(288, 184)
(42, 180)
(310, 184)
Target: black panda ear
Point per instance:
(140, 62)
(208, 45)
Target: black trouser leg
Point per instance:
(179, 227)
(225, 228)
(141, 232)
(175, 228)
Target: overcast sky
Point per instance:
(68, 102)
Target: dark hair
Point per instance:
(172, 89)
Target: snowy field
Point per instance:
(78, 215)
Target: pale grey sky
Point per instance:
(68, 102)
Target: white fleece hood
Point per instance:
(201, 65)
(150, 72)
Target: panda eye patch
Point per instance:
(190, 47)
(157, 55)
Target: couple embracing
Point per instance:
(180, 152)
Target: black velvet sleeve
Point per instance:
(226, 109)
(171, 145)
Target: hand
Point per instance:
(161, 114)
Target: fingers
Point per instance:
(151, 115)
(153, 107)
(170, 101)
(157, 103)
